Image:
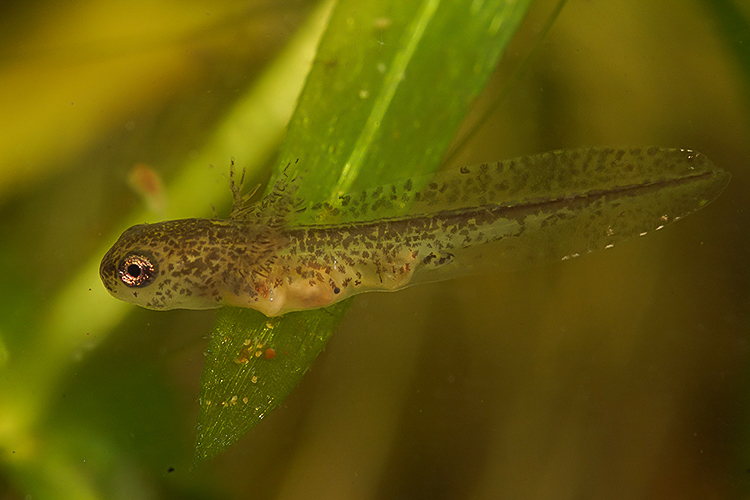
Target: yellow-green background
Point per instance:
(623, 374)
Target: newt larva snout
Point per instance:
(276, 258)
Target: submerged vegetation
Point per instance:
(622, 373)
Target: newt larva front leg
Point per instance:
(276, 257)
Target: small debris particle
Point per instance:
(382, 23)
(147, 183)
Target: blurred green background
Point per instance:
(620, 375)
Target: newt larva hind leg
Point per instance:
(280, 255)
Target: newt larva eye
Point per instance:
(136, 271)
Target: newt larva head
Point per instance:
(168, 265)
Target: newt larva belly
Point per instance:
(277, 257)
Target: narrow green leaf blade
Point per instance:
(390, 84)
(250, 369)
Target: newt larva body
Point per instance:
(277, 257)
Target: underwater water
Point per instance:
(621, 374)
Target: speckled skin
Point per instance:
(277, 257)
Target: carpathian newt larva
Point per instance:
(280, 255)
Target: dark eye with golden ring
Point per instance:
(136, 271)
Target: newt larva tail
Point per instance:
(278, 258)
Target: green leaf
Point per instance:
(390, 84)
(249, 369)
